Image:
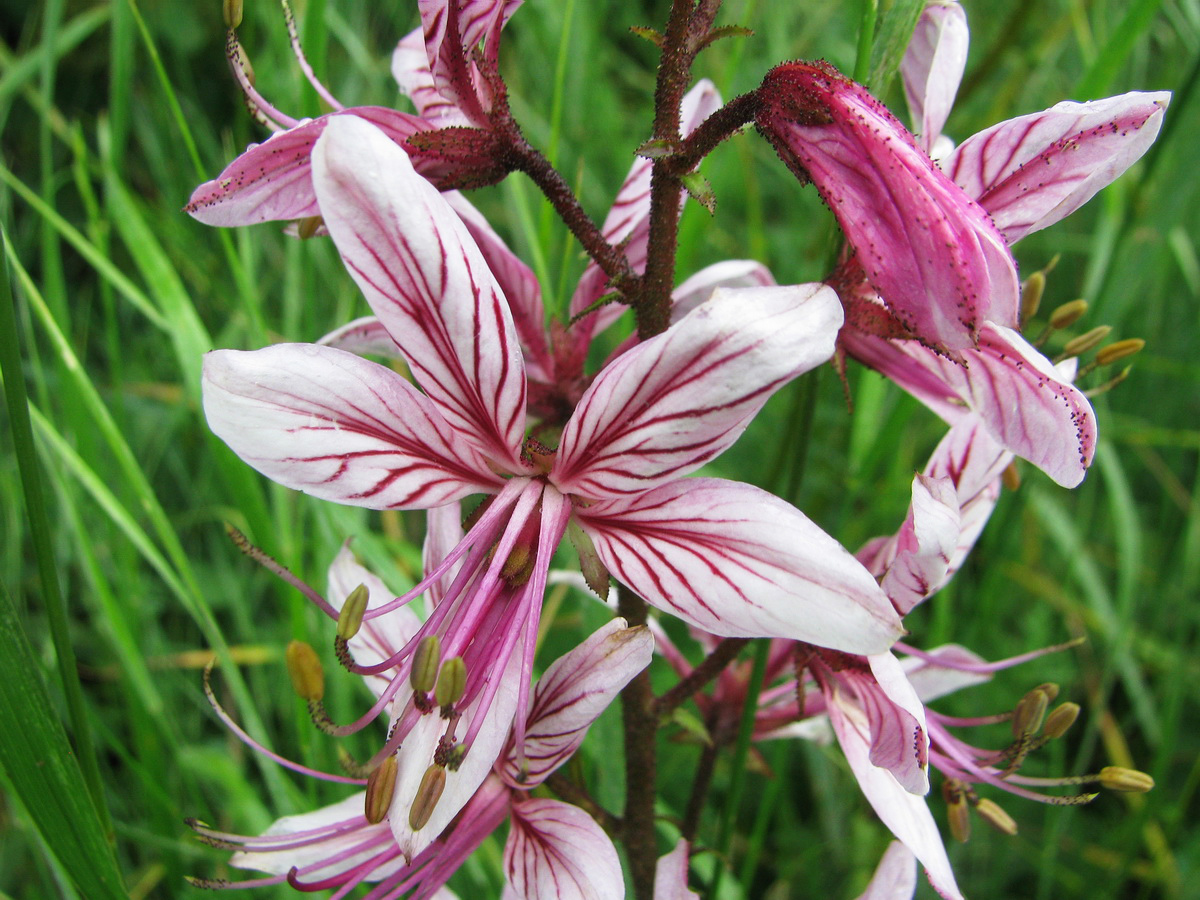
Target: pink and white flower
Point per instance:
(726, 557)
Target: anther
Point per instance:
(958, 811)
(433, 782)
(1030, 713)
(381, 784)
(1031, 295)
(1119, 350)
(994, 815)
(1061, 719)
(307, 227)
(451, 682)
(425, 663)
(1118, 778)
(304, 668)
(351, 617)
(1068, 314)
(232, 10)
(1011, 476)
(1086, 341)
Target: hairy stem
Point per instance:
(709, 669)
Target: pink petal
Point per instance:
(378, 638)
(443, 532)
(1031, 171)
(736, 561)
(674, 402)
(1027, 404)
(273, 180)
(452, 30)
(338, 427)
(671, 875)
(410, 68)
(930, 250)
(949, 671)
(571, 695)
(896, 876)
(899, 737)
(427, 281)
(556, 852)
(906, 815)
(933, 66)
(356, 831)
(364, 337)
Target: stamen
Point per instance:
(381, 785)
(239, 64)
(259, 556)
(451, 683)
(294, 36)
(428, 795)
(425, 663)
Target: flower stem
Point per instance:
(709, 669)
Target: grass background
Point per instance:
(112, 113)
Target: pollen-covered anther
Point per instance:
(451, 683)
(1086, 341)
(381, 784)
(994, 815)
(518, 568)
(425, 663)
(1119, 350)
(1119, 778)
(1068, 314)
(304, 668)
(232, 12)
(1011, 476)
(1030, 713)
(1032, 290)
(958, 813)
(433, 782)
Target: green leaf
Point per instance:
(892, 34)
(40, 764)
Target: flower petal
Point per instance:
(671, 875)
(410, 68)
(556, 852)
(736, 561)
(364, 337)
(899, 736)
(896, 876)
(443, 532)
(572, 693)
(906, 815)
(452, 30)
(674, 402)
(273, 180)
(729, 273)
(933, 66)
(338, 427)
(930, 250)
(427, 281)
(947, 669)
(1031, 171)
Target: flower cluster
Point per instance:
(496, 408)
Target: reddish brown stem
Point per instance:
(709, 669)
(641, 763)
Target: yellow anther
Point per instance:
(351, 617)
(994, 815)
(1060, 720)
(1029, 714)
(1031, 295)
(232, 11)
(1011, 476)
(433, 782)
(304, 668)
(425, 662)
(1118, 778)
(958, 811)
(1119, 350)
(1087, 340)
(451, 682)
(307, 227)
(381, 784)
(1068, 314)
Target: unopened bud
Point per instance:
(425, 662)
(307, 227)
(1068, 314)
(1061, 719)
(1031, 295)
(351, 617)
(1086, 341)
(958, 812)
(1119, 350)
(433, 782)
(451, 682)
(304, 668)
(1118, 778)
(1029, 714)
(381, 784)
(994, 815)
(232, 10)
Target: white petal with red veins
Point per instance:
(933, 66)
(671, 875)
(556, 852)
(674, 402)
(736, 561)
(426, 281)
(338, 427)
(1034, 170)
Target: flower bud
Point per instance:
(433, 782)
(451, 682)
(304, 668)
(425, 662)
(1119, 350)
(381, 784)
(1086, 341)
(1118, 778)
(351, 617)
(1068, 314)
